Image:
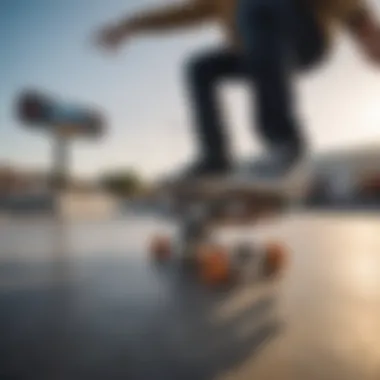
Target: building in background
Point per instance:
(29, 191)
(15, 181)
(347, 176)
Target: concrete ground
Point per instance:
(83, 302)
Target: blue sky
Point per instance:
(46, 44)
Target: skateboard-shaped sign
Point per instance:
(38, 110)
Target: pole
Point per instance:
(60, 172)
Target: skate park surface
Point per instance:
(82, 300)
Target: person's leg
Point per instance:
(308, 39)
(265, 38)
(204, 74)
(269, 32)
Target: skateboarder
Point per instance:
(266, 42)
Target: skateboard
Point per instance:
(200, 207)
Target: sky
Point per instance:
(141, 90)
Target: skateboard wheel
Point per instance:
(213, 265)
(275, 258)
(161, 248)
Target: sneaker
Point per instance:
(283, 171)
(205, 169)
(277, 164)
(200, 170)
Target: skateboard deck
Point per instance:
(236, 197)
(241, 183)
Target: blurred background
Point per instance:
(79, 300)
(49, 46)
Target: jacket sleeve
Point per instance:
(349, 12)
(176, 16)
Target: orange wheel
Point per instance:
(275, 258)
(214, 265)
(161, 248)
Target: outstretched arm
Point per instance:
(364, 27)
(172, 17)
(359, 19)
(176, 16)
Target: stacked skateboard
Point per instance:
(199, 210)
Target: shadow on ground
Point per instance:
(124, 319)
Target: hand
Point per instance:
(111, 37)
(370, 42)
